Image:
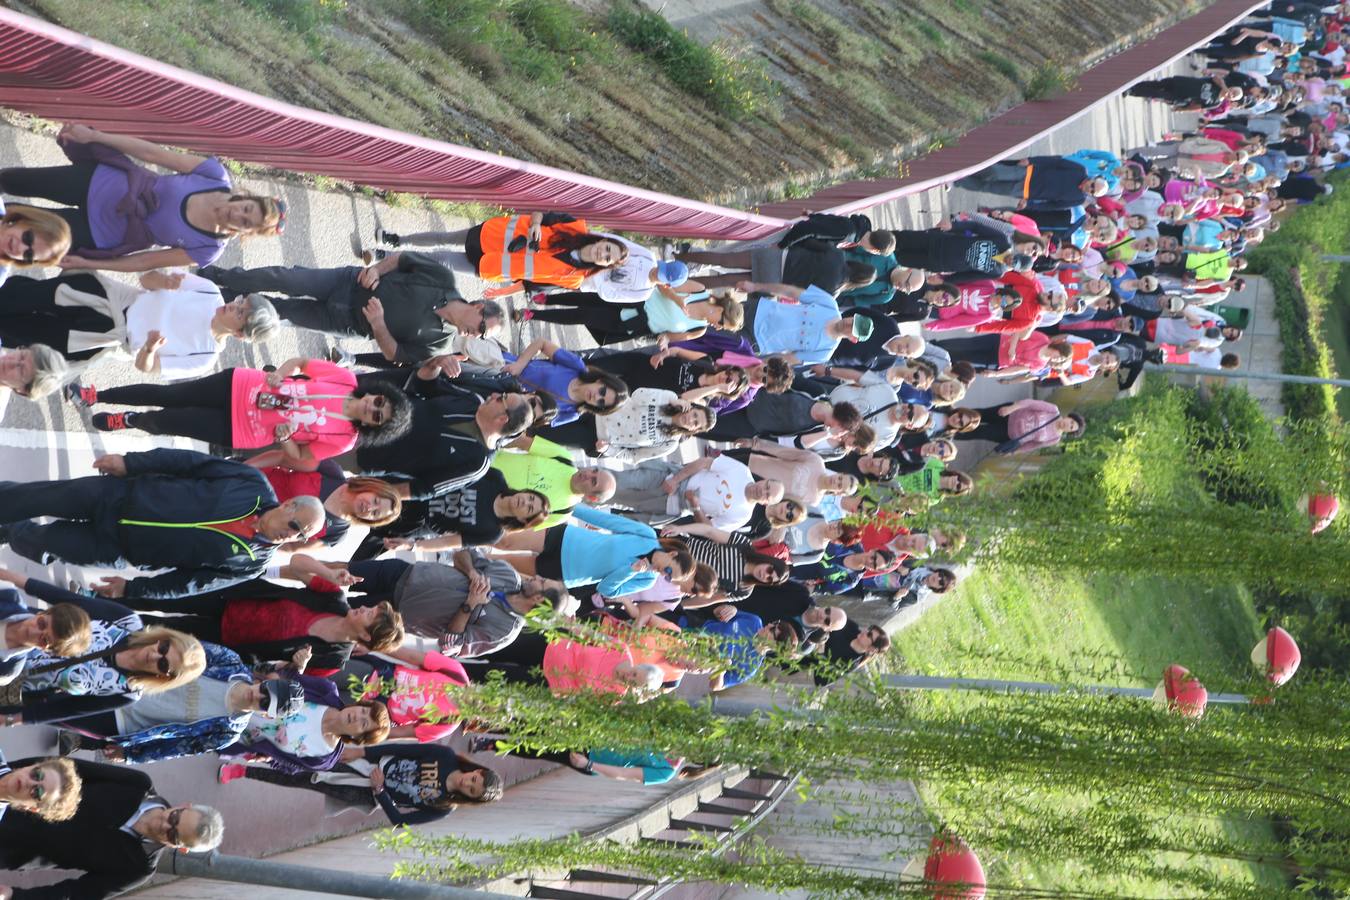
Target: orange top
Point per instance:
(542, 266)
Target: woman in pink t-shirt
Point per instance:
(414, 690)
(312, 408)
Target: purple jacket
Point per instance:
(137, 205)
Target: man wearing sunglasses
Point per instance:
(211, 522)
(115, 837)
(407, 303)
(454, 435)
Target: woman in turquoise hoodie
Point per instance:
(626, 557)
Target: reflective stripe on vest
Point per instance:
(527, 254)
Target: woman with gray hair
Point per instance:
(33, 372)
(172, 324)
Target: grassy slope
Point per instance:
(855, 78)
(1103, 630)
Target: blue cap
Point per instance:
(672, 272)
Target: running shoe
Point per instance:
(113, 421)
(80, 395)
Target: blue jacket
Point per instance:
(589, 556)
(163, 521)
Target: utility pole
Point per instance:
(327, 882)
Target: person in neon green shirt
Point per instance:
(538, 464)
(1215, 265)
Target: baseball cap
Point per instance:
(672, 272)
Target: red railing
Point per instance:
(59, 74)
(1015, 130)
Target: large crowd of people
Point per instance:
(778, 414)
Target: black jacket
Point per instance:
(162, 521)
(92, 841)
(443, 450)
(816, 262)
(827, 227)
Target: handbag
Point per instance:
(1010, 446)
(11, 695)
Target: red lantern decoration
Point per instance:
(953, 870)
(1321, 509)
(1182, 692)
(1277, 655)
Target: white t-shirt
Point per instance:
(183, 318)
(628, 282)
(721, 493)
(300, 734)
(876, 400)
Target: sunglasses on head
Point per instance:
(281, 214)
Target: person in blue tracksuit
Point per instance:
(211, 522)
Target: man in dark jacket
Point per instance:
(212, 522)
(407, 303)
(455, 432)
(1038, 182)
(116, 836)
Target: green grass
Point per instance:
(1009, 624)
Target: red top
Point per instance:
(878, 533)
(261, 621)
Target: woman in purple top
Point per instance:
(773, 374)
(118, 210)
(576, 387)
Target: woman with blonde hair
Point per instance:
(119, 212)
(125, 662)
(30, 236)
(47, 788)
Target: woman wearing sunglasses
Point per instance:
(48, 788)
(623, 558)
(740, 567)
(118, 211)
(30, 236)
(125, 662)
(313, 408)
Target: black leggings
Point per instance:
(519, 661)
(202, 627)
(602, 319)
(67, 185)
(29, 314)
(349, 794)
(981, 351)
(199, 409)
